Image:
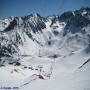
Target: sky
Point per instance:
(43, 7)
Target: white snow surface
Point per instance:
(66, 74)
(49, 54)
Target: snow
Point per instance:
(29, 47)
(64, 77)
(65, 73)
(56, 58)
(84, 12)
(5, 22)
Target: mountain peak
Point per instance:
(85, 9)
(36, 15)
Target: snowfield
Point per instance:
(66, 74)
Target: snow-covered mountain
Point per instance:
(34, 34)
(58, 45)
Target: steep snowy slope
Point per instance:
(33, 32)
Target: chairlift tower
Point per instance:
(40, 69)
